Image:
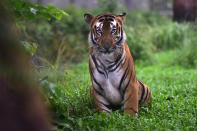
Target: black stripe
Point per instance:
(115, 62)
(96, 64)
(104, 105)
(110, 19)
(105, 16)
(120, 61)
(118, 42)
(92, 38)
(119, 57)
(123, 63)
(127, 83)
(142, 95)
(99, 17)
(97, 83)
(126, 100)
(146, 94)
(124, 76)
(112, 70)
(108, 61)
(106, 20)
(108, 106)
(108, 16)
(97, 91)
(105, 72)
(101, 20)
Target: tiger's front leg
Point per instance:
(101, 103)
(131, 100)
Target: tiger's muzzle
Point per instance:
(106, 48)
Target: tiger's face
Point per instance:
(106, 33)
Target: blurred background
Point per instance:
(55, 42)
(54, 36)
(129, 4)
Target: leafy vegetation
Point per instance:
(187, 56)
(29, 11)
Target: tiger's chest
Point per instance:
(109, 85)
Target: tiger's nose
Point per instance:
(106, 46)
(106, 43)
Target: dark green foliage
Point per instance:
(139, 43)
(58, 41)
(170, 36)
(26, 10)
(150, 35)
(187, 55)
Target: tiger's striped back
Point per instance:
(111, 66)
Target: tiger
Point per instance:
(111, 66)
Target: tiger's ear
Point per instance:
(122, 16)
(88, 18)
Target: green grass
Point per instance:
(174, 91)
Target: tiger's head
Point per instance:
(106, 33)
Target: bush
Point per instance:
(187, 55)
(169, 36)
(58, 41)
(142, 31)
(148, 33)
(139, 43)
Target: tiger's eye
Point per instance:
(113, 30)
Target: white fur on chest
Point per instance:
(110, 86)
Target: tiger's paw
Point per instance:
(131, 111)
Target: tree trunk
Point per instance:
(184, 10)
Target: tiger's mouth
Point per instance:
(106, 50)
